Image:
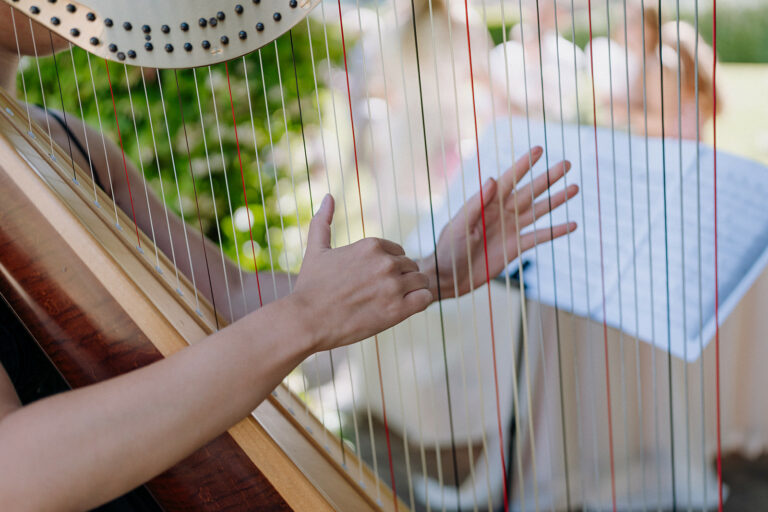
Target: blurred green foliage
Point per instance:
(211, 135)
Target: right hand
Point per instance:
(353, 292)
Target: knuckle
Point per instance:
(389, 265)
(372, 244)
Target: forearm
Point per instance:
(118, 434)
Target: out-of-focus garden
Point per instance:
(273, 155)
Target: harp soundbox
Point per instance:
(101, 299)
(99, 307)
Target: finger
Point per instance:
(413, 281)
(519, 169)
(319, 236)
(543, 235)
(391, 247)
(547, 205)
(417, 301)
(541, 183)
(474, 207)
(406, 264)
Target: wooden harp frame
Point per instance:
(79, 285)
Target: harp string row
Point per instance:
(320, 399)
(23, 80)
(42, 89)
(63, 109)
(138, 146)
(634, 270)
(82, 120)
(546, 388)
(516, 438)
(590, 327)
(552, 252)
(618, 258)
(699, 262)
(516, 441)
(666, 259)
(213, 195)
(682, 252)
(226, 183)
(159, 174)
(122, 152)
(178, 191)
(197, 202)
(602, 266)
(657, 434)
(717, 289)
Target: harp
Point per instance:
(119, 302)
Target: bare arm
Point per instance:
(78, 449)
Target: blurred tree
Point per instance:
(264, 137)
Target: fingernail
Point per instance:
(537, 150)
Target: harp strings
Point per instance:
(224, 273)
(178, 191)
(552, 251)
(197, 202)
(602, 265)
(104, 145)
(717, 289)
(666, 259)
(542, 352)
(514, 440)
(634, 267)
(139, 159)
(23, 80)
(422, 449)
(703, 425)
(82, 120)
(682, 254)
(63, 109)
(321, 402)
(42, 89)
(657, 434)
(406, 446)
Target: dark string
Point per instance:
(437, 268)
(666, 266)
(602, 260)
(312, 208)
(197, 203)
(63, 110)
(301, 119)
(513, 429)
(554, 280)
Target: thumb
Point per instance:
(319, 237)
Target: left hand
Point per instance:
(508, 210)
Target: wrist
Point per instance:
(298, 312)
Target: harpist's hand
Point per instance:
(353, 292)
(508, 211)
